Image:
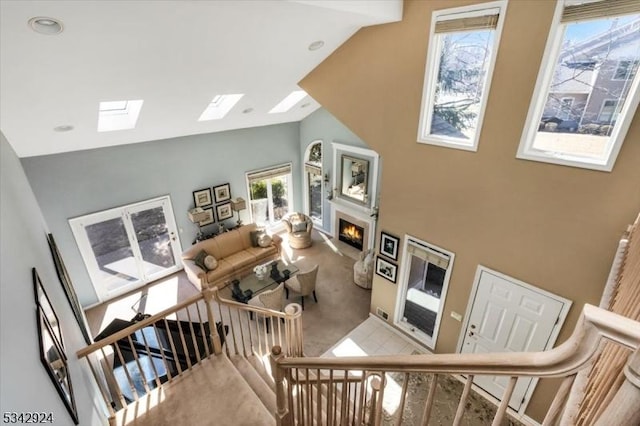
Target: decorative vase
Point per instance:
(260, 276)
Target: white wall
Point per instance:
(24, 384)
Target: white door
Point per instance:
(127, 247)
(508, 315)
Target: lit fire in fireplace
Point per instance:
(352, 232)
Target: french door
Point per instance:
(127, 247)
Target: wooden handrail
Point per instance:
(243, 306)
(137, 326)
(346, 404)
(564, 360)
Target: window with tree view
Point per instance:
(592, 59)
(269, 193)
(461, 54)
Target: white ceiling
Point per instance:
(175, 55)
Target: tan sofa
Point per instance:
(235, 255)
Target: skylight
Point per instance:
(118, 115)
(287, 103)
(219, 106)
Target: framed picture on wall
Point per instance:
(209, 218)
(202, 197)
(67, 286)
(389, 245)
(44, 304)
(224, 211)
(386, 269)
(222, 193)
(54, 361)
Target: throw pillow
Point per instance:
(210, 262)
(264, 240)
(299, 227)
(199, 259)
(254, 235)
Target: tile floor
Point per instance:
(373, 337)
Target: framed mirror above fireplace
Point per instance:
(354, 178)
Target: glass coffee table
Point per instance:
(269, 282)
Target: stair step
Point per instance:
(212, 392)
(262, 370)
(256, 382)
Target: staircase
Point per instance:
(175, 369)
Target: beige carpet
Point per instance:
(341, 306)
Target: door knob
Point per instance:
(471, 334)
(473, 327)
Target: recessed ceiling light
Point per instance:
(247, 111)
(316, 45)
(45, 25)
(63, 128)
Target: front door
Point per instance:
(508, 315)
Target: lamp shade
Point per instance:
(238, 204)
(197, 215)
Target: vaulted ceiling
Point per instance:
(176, 56)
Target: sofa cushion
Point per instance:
(223, 270)
(241, 259)
(245, 234)
(199, 260)
(254, 237)
(228, 244)
(261, 253)
(299, 226)
(264, 240)
(210, 262)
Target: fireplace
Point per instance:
(351, 233)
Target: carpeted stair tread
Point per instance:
(212, 393)
(260, 368)
(256, 382)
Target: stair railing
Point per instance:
(129, 364)
(346, 394)
(255, 330)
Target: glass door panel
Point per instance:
(279, 196)
(259, 202)
(112, 254)
(155, 239)
(315, 196)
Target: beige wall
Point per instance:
(552, 226)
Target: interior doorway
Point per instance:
(508, 315)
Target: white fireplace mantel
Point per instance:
(365, 218)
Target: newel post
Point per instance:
(207, 294)
(282, 413)
(624, 409)
(293, 329)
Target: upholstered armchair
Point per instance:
(270, 299)
(303, 283)
(299, 227)
(363, 269)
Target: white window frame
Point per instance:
(272, 226)
(431, 74)
(541, 91)
(403, 280)
(602, 107)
